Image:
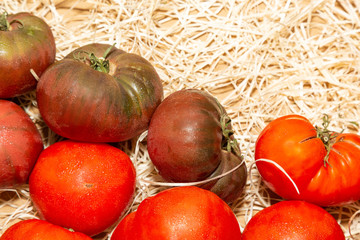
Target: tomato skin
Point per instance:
(291, 142)
(35, 229)
(20, 145)
(184, 137)
(230, 186)
(82, 186)
(125, 230)
(340, 180)
(188, 213)
(295, 220)
(30, 46)
(84, 104)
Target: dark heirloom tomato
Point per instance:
(295, 220)
(82, 186)
(26, 42)
(100, 100)
(187, 137)
(323, 166)
(35, 229)
(179, 213)
(231, 185)
(20, 145)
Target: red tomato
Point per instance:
(82, 186)
(108, 100)
(291, 142)
(125, 228)
(35, 229)
(20, 145)
(189, 213)
(27, 43)
(295, 220)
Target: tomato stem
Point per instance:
(4, 23)
(100, 64)
(327, 137)
(229, 143)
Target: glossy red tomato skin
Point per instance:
(188, 213)
(35, 229)
(83, 104)
(82, 186)
(20, 145)
(25, 46)
(295, 220)
(125, 230)
(291, 142)
(185, 135)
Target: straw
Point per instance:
(261, 59)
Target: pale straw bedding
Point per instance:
(262, 59)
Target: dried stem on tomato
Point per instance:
(327, 137)
(4, 24)
(229, 142)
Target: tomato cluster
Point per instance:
(99, 94)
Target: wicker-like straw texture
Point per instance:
(261, 59)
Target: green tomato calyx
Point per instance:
(100, 64)
(229, 143)
(327, 137)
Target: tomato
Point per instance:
(35, 229)
(20, 145)
(26, 42)
(82, 186)
(187, 135)
(322, 166)
(188, 213)
(231, 185)
(125, 228)
(90, 99)
(295, 220)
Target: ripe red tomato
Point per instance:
(295, 220)
(300, 149)
(82, 186)
(178, 213)
(20, 145)
(91, 100)
(190, 139)
(125, 228)
(35, 229)
(27, 43)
